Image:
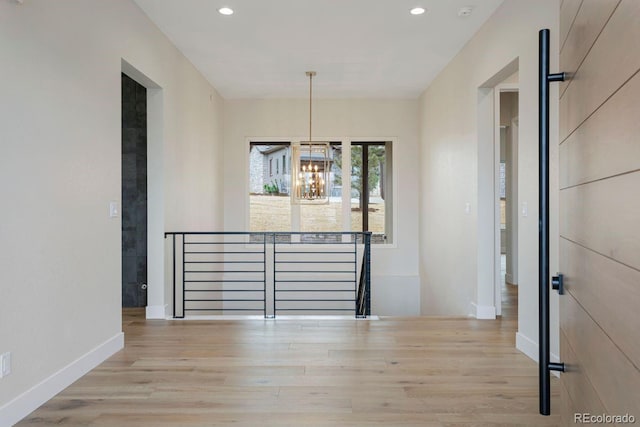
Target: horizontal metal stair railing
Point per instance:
(270, 273)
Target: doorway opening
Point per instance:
(134, 193)
(156, 294)
(506, 216)
(488, 302)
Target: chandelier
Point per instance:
(310, 166)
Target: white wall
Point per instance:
(450, 157)
(60, 113)
(395, 283)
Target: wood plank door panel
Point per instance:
(608, 291)
(607, 144)
(612, 60)
(600, 208)
(585, 24)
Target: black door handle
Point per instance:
(557, 283)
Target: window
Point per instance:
(269, 203)
(370, 188)
(369, 192)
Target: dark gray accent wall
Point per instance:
(134, 193)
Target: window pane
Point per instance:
(357, 199)
(269, 202)
(326, 217)
(368, 211)
(376, 181)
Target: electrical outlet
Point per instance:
(5, 364)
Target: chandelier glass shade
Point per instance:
(310, 166)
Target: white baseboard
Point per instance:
(486, 312)
(156, 312)
(509, 279)
(527, 346)
(483, 312)
(472, 309)
(36, 396)
(530, 349)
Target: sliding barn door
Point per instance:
(600, 208)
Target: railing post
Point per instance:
(173, 273)
(363, 294)
(356, 283)
(183, 277)
(273, 236)
(367, 277)
(264, 273)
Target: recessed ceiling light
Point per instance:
(417, 11)
(465, 11)
(225, 11)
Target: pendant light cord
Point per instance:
(310, 95)
(310, 117)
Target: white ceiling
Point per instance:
(360, 48)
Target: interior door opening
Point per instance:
(507, 203)
(134, 193)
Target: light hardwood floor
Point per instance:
(387, 372)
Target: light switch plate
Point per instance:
(114, 210)
(5, 364)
